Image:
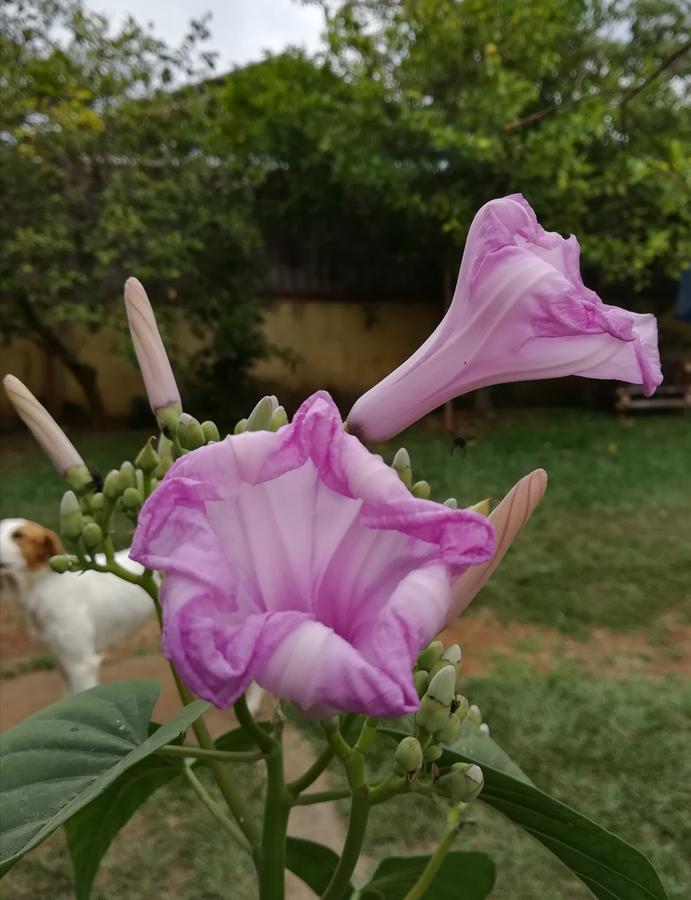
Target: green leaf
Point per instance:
(239, 739)
(91, 830)
(469, 876)
(313, 863)
(610, 867)
(58, 760)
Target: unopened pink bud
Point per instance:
(52, 439)
(508, 519)
(154, 364)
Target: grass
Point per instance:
(608, 547)
(609, 544)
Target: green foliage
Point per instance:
(311, 862)
(604, 862)
(91, 830)
(581, 106)
(105, 173)
(467, 875)
(60, 759)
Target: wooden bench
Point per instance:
(667, 396)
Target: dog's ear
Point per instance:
(51, 545)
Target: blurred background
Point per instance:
(293, 183)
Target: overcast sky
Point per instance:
(240, 29)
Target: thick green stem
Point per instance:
(427, 876)
(185, 751)
(261, 738)
(359, 811)
(276, 812)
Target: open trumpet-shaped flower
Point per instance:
(299, 560)
(520, 312)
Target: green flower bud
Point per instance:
(429, 655)
(211, 432)
(421, 489)
(279, 418)
(460, 706)
(408, 756)
(92, 537)
(420, 679)
(453, 654)
(452, 503)
(132, 500)
(165, 463)
(71, 518)
(165, 447)
(443, 686)
(60, 564)
(128, 476)
(260, 417)
(401, 463)
(147, 458)
(111, 485)
(240, 427)
(433, 752)
(474, 715)
(463, 783)
(190, 434)
(449, 732)
(167, 418)
(97, 502)
(435, 706)
(482, 507)
(79, 479)
(483, 728)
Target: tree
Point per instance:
(582, 106)
(104, 173)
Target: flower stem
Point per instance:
(261, 738)
(188, 752)
(321, 762)
(357, 823)
(322, 797)
(276, 812)
(428, 874)
(211, 805)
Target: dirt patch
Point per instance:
(487, 642)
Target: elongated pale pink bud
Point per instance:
(154, 364)
(52, 439)
(508, 519)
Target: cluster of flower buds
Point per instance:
(402, 465)
(267, 415)
(442, 708)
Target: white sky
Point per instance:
(240, 29)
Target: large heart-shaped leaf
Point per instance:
(313, 863)
(58, 760)
(611, 868)
(91, 830)
(462, 876)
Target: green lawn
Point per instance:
(610, 547)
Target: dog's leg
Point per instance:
(80, 675)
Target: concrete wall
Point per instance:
(344, 347)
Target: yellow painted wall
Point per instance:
(341, 346)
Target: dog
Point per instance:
(77, 616)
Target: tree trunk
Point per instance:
(86, 375)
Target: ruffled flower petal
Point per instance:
(299, 560)
(520, 312)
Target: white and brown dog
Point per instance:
(77, 616)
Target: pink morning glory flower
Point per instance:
(520, 312)
(299, 560)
